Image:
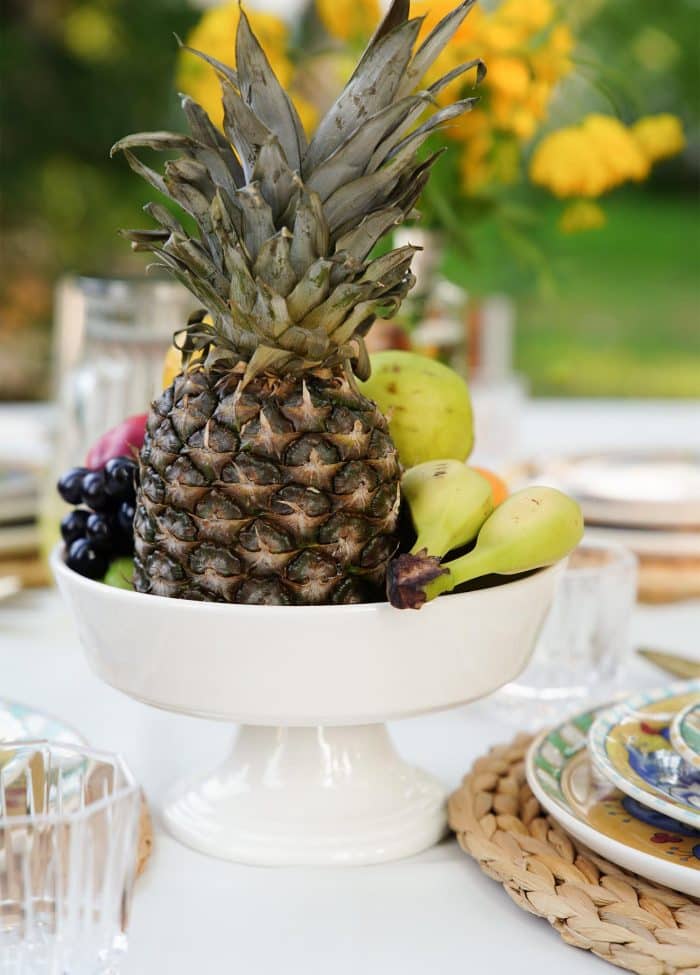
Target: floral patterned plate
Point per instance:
(630, 746)
(685, 734)
(561, 776)
(19, 721)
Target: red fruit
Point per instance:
(124, 440)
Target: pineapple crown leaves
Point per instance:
(286, 227)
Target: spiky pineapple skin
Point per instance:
(284, 492)
(270, 479)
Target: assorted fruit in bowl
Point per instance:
(458, 522)
(98, 532)
(102, 527)
(274, 465)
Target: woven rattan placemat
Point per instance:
(666, 580)
(593, 904)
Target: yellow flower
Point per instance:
(581, 215)
(488, 158)
(349, 20)
(618, 147)
(551, 61)
(470, 125)
(523, 124)
(561, 40)
(659, 136)
(434, 10)
(215, 35)
(308, 113)
(501, 35)
(526, 51)
(512, 116)
(538, 97)
(535, 15)
(474, 163)
(508, 76)
(588, 159)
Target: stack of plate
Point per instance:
(648, 501)
(19, 510)
(625, 781)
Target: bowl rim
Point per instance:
(59, 568)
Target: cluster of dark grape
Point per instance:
(103, 529)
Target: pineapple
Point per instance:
(266, 476)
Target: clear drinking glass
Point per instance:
(584, 641)
(68, 845)
(111, 338)
(113, 366)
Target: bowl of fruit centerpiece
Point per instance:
(311, 554)
(313, 776)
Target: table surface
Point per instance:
(435, 912)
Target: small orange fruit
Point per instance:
(498, 485)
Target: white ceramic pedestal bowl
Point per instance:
(313, 777)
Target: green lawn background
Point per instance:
(618, 312)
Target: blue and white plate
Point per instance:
(685, 734)
(18, 721)
(630, 746)
(561, 776)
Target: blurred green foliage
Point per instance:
(646, 55)
(78, 74)
(75, 77)
(618, 315)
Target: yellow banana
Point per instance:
(449, 503)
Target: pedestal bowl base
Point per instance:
(312, 796)
(313, 777)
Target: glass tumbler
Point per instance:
(121, 330)
(68, 846)
(584, 641)
(111, 339)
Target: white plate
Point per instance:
(652, 541)
(628, 488)
(561, 777)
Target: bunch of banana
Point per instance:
(529, 530)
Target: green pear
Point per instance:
(427, 404)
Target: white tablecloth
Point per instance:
(432, 913)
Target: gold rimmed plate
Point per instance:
(630, 745)
(626, 832)
(685, 734)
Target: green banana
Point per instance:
(531, 529)
(448, 501)
(427, 404)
